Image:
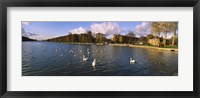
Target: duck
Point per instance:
(84, 58)
(94, 63)
(132, 61)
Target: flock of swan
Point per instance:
(132, 61)
(85, 58)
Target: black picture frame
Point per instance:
(100, 3)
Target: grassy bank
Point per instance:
(84, 43)
(168, 48)
(78, 43)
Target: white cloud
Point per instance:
(27, 34)
(107, 28)
(143, 29)
(79, 30)
(26, 23)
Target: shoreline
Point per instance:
(130, 45)
(126, 45)
(140, 46)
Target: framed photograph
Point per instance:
(131, 48)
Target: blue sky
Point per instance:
(44, 30)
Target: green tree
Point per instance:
(76, 38)
(129, 38)
(149, 36)
(173, 29)
(67, 38)
(165, 28)
(142, 39)
(121, 39)
(83, 38)
(131, 34)
(155, 28)
(100, 38)
(89, 38)
(114, 38)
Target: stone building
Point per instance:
(154, 41)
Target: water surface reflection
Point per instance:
(60, 59)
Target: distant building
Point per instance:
(153, 41)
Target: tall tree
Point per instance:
(149, 36)
(142, 40)
(67, 38)
(165, 28)
(83, 38)
(100, 38)
(129, 37)
(76, 38)
(120, 38)
(155, 29)
(89, 38)
(131, 34)
(174, 28)
(114, 38)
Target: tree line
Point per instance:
(165, 28)
(156, 29)
(81, 38)
(97, 38)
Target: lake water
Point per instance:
(60, 59)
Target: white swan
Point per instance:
(94, 63)
(84, 58)
(132, 61)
